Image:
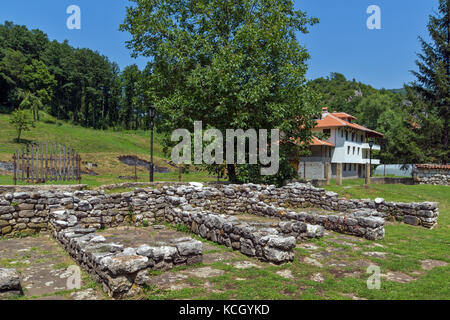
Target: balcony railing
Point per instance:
(374, 147)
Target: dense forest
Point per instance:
(77, 85)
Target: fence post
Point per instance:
(338, 174)
(327, 173)
(367, 179)
(79, 168)
(15, 169)
(135, 169)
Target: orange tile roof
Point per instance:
(343, 115)
(317, 142)
(433, 166)
(331, 120)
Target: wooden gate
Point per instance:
(49, 161)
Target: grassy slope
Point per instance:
(98, 146)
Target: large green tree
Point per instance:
(433, 81)
(231, 64)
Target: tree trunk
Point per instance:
(445, 141)
(231, 168)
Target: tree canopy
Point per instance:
(230, 64)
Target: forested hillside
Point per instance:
(79, 85)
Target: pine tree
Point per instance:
(433, 76)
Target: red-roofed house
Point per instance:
(348, 143)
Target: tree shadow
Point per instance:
(22, 141)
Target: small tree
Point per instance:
(21, 122)
(32, 102)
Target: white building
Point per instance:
(348, 143)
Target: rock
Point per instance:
(278, 256)
(98, 239)
(120, 265)
(379, 200)
(431, 264)
(285, 274)
(312, 261)
(314, 231)
(414, 221)
(317, 277)
(196, 185)
(9, 280)
(247, 247)
(6, 209)
(21, 195)
(284, 243)
(187, 248)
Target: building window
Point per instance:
(346, 135)
(358, 151)
(345, 167)
(362, 138)
(348, 150)
(327, 132)
(342, 133)
(354, 167)
(329, 152)
(353, 136)
(354, 149)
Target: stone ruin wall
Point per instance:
(28, 212)
(432, 174)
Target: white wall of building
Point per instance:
(351, 146)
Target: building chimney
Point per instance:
(324, 112)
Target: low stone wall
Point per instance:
(252, 239)
(360, 223)
(434, 174)
(391, 180)
(237, 199)
(28, 212)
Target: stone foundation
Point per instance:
(121, 271)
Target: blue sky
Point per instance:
(341, 42)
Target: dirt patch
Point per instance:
(285, 274)
(431, 264)
(43, 267)
(130, 161)
(204, 272)
(399, 277)
(244, 265)
(339, 273)
(134, 237)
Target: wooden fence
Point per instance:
(49, 161)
